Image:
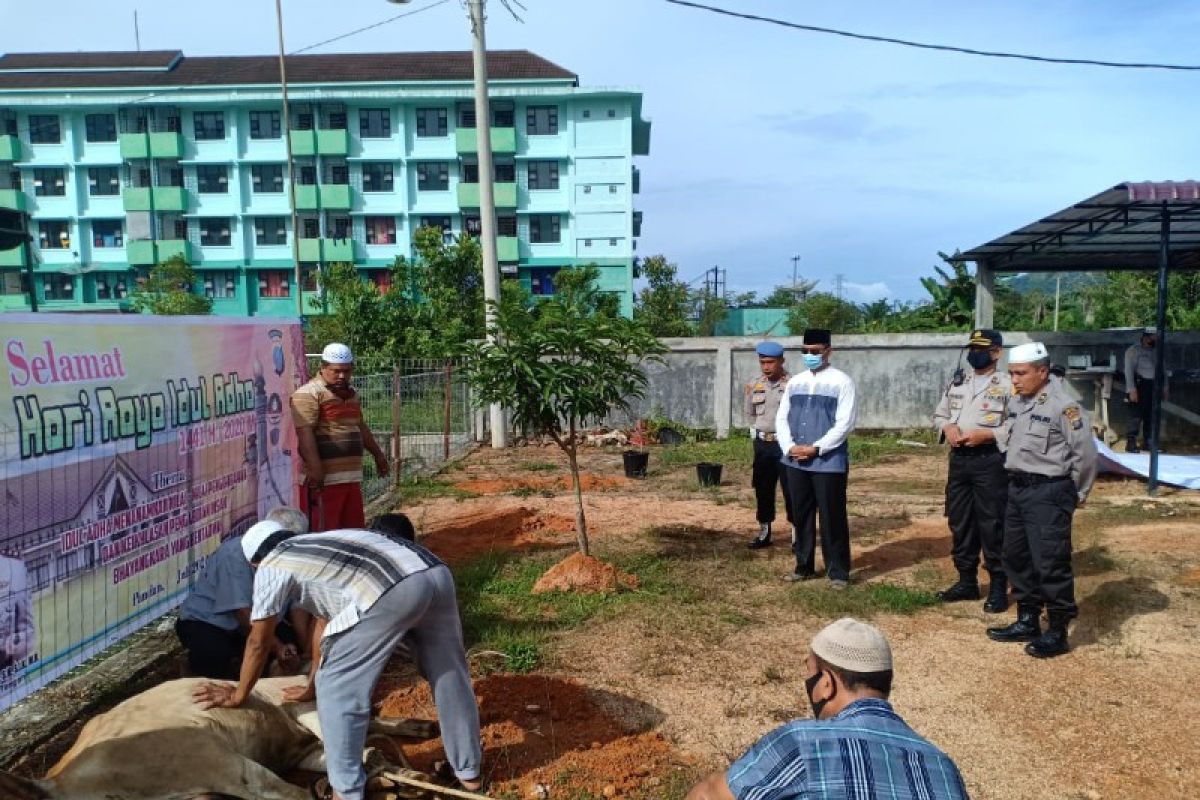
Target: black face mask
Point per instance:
(979, 359)
(817, 705)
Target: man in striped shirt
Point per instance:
(856, 748)
(366, 592)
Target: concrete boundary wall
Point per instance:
(900, 377)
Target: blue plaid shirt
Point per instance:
(864, 753)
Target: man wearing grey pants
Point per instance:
(366, 592)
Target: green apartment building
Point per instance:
(124, 159)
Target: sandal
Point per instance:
(320, 788)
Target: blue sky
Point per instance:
(865, 159)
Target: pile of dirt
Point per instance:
(476, 533)
(588, 481)
(586, 574)
(539, 729)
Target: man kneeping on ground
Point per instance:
(367, 592)
(856, 747)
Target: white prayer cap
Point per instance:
(1028, 353)
(854, 646)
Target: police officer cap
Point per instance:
(985, 337)
(256, 534)
(769, 349)
(854, 646)
(817, 336)
(1028, 353)
(337, 353)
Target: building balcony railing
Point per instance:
(331, 196)
(134, 145)
(504, 140)
(505, 195)
(12, 258)
(327, 250)
(144, 252)
(10, 148)
(160, 144)
(507, 248)
(13, 198)
(158, 198)
(321, 142)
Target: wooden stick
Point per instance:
(432, 787)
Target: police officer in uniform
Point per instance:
(1140, 385)
(1051, 463)
(972, 410)
(761, 404)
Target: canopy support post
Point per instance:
(1160, 349)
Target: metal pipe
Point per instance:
(291, 164)
(1160, 350)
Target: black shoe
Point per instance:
(1131, 446)
(963, 590)
(997, 600)
(1050, 644)
(759, 542)
(1025, 629)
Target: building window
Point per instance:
(309, 274)
(59, 287)
(44, 129)
(503, 116)
(541, 280)
(612, 242)
(13, 282)
(212, 179)
(310, 228)
(174, 224)
(466, 115)
(612, 189)
(209, 125)
(100, 127)
(266, 178)
(264, 125)
(338, 226)
(431, 122)
(49, 182)
(304, 121)
(587, 242)
(107, 233)
(541, 120)
(111, 286)
(270, 230)
(543, 174)
(377, 176)
(220, 285)
(335, 121)
(306, 175)
(336, 172)
(587, 114)
(381, 230)
(382, 278)
(8, 123)
(544, 229)
(469, 173)
(506, 225)
(587, 189)
(215, 232)
(433, 177)
(505, 173)
(54, 234)
(274, 283)
(104, 181)
(472, 225)
(612, 113)
(441, 223)
(374, 123)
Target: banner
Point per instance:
(130, 447)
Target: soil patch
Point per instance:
(490, 530)
(587, 574)
(540, 729)
(588, 481)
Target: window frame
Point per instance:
(274, 124)
(442, 176)
(279, 227)
(442, 123)
(201, 124)
(205, 224)
(552, 175)
(371, 226)
(256, 174)
(388, 177)
(118, 237)
(95, 181)
(212, 174)
(39, 124)
(533, 120)
(110, 130)
(555, 229)
(40, 181)
(383, 116)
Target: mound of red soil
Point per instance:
(588, 482)
(542, 729)
(580, 573)
(477, 533)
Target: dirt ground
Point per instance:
(632, 702)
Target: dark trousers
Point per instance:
(1139, 412)
(976, 492)
(767, 471)
(823, 493)
(214, 652)
(1037, 546)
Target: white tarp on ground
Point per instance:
(1173, 470)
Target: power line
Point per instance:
(940, 47)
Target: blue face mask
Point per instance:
(813, 361)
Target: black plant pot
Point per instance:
(708, 473)
(635, 463)
(669, 436)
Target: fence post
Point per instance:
(397, 463)
(447, 390)
(723, 390)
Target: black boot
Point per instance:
(1053, 642)
(1025, 629)
(997, 600)
(967, 588)
(763, 539)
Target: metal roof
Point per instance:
(1120, 228)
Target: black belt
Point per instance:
(989, 449)
(1024, 479)
(766, 437)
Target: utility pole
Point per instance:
(795, 275)
(291, 165)
(1057, 292)
(487, 199)
(838, 280)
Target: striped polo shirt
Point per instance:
(336, 423)
(336, 575)
(865, 752)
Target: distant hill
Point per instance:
(1026, 282)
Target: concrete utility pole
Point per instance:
(487, 199)
(291, 165)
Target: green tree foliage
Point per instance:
(662, 307)
(952, 294)
(824, 310)
(786, 296)
(710, 310)
(170, 289)
(562, 363)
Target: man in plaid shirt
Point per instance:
(857, 747)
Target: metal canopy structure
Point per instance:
(1144, 226)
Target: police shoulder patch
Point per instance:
(1074, 416)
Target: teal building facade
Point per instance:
(123, 160)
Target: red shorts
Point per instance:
(333, 507)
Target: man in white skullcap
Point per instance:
(857, 746)
(331, 435)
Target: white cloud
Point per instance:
(865, 292)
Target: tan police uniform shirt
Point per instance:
(972, 405)
(1049, 434)
(761, 403)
